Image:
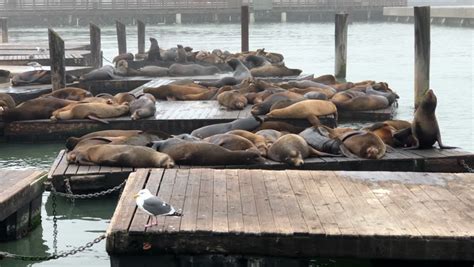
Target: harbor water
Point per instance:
(376, 51)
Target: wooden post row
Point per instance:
(4, 29)
(58, 62)
(141, 36)
(96, 52)
(244, 20)
(422, 52)
(121, 37)
(340, 64)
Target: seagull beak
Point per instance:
(135, 196)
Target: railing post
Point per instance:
(244, 20)
(56, 57)
(341, 46)
(141, 36)
(121, 37)
(422, 52)
(4, 29)
(95, 42)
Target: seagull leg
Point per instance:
(151, 222)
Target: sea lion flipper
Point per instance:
(389, 149)
(314, 120)
(440, 143)
(94, 118)
(321, 154)
(346, 152)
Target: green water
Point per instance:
(378, 51)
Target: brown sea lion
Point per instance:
(292, 149)
(181, 54)
(342, 97)
(35, 109)
(248, 124)
(315, 95)
(285, 103)
(231, 142)
(398, 124)
(258, 140)
(241, 72)
(203, 153)
(366, 102)
(153, 71)
(106, 72)
(83, 145)
(143, 107)
(70, 93)
(307, 109)
(342, 86)
(154, 51)
(93, 111)
(278, 70)
(280, 126)
(384, 131)
(36, 77)
(233, 100)
(264, 107)
(326, 91)
(124, 156)
(125, 56)
(191, 70)
(71, 142)
(363, 144)
(6, 102)
(181, 92)
(270, 135)
(325, 79)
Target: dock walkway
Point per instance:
(20, 202)
(371, 215)
(94, 178)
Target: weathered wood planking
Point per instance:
(372, 215)
(90, 178)
(20, 202)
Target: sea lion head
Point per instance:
(294, 158)
(165, 160)
(257, 109)
(429, 101)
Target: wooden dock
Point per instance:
(302, 214)
(93, 178)
(20, 202)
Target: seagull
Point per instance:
(154, 206)
(41, 50)
(35, 65)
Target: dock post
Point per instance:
(283, 17)
(121, 37)
(244, 21)
(341, 46)
(141, 36)
(422, 52)
(4, 28)
(96, 53)
(58, 61)
(178, 18)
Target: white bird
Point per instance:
(41, 50)
(35, 65)
(154, 206)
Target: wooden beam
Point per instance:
(244, 20)
(341, 46)
(96, 53)
(121, 37)
(141, 36)
(4, 29)
(58, 61)
(422, 52)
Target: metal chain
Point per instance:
(55, 225)
(86, 196)
(464, 164)
(69, 190)
(55, 255)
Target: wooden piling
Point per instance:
(4, 29)
(58, 61)
(121, 37)
(341, 45)
(422, 52)
(244, 19)
(141, 36)
(96, 53)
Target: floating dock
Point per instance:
(94, 178)
(444, 15)
(20, 202)
(303, 214)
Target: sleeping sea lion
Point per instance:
(270, 135)
(248, 124)
(143, 107)
(93, 111)
(71, 142)
(231, 141)
(153, 71)
(363, 144)
(365, 102)
(121, 98)
(258, 140)
(181, 92)
(292, 149)
(264, 107)
(106, 72)
(307, 109)
(192, 70)
(35, 109)
(241, 72)
(69, 93)
(278, 70)
(233, 100)
(326, 79)
(320, 142)
(181, 55)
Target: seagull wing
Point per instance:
(156, 206)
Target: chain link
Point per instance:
(464, 164)
(55, 225)
(55, 255)
(86, 196)
(67, 183)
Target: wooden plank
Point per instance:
(95, 43)
(341, 45)
(56, 162)
(121, 37)
(264, 212)
(278, 204)
(62, 166)
(204, 212)
(249, 208)
(71, 170)
(191, 202)
(220, 222)
(172, 223)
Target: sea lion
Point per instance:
(342, 86)
(258, 140)
(141, 139)
(181, 55)
(36, 77)
(35, 109)
(125, 56)
(278, 70)
(153, 71)
(4, 76)
(362, 144)
(221, 82)
(154, 51)
(398, 124)
(320, 142)
(192, 70)
(106, 96)
(334, 132)
(424, 128)
(285, 103)
(292, 149)
(83, 145)
(384, 131)
(269, 135)
(181, 92)
(121, 98)
(315, 95)
(241, 72)
(303, 84)
(124, 156)
(93, 111)
(342, 97)
(232, 100)
(307, 109)
(280, 126)
(124, 70)
(366, 102)
(6, 102)
(326, 79)
(203, 153)
(329, 92)
(106, 72)
(231, 141)
(143, 107)
(69, 93)
(264, 107)
(254, 61)
(248, 124)
(71, 142)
